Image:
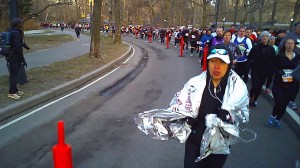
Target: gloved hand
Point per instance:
(24, 64)
(224, 115)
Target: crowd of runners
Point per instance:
(268, 56)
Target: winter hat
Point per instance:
(265, 33)
(16, 21)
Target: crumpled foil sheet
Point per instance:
(217, 137)
(162, 124)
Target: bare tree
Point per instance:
(118, 38)
(3, 15)
(296, 16)
(95, 35)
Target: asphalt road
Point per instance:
(100, 128)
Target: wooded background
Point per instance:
(163, 13)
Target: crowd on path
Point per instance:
(269, 57)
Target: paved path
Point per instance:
(47, 56)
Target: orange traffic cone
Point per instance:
(167, 41)
(205, 53)
(181, 46)
(62, 153)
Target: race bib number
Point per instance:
(198, 42)
(287, 76)
(186, 34)
(193, 36)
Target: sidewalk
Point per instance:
(48, 56)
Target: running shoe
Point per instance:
(20, 93)
(14, 96)
(252, 104)
(277, 124)
(268, 91)
(293, 105)
(271, 121)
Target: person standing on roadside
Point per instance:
(284, 85)
(241, 66)
(260, 61)
(16, 60)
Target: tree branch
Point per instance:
(45, 8)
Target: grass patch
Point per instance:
(44, 78)
(43, 41)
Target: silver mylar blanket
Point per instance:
(162, 124)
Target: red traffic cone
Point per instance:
(62, 153)
(150, 38)
(205, 53)
(167, 41)
(181, 46)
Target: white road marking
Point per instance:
(66, 96)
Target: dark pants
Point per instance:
(242, 69)
(257, 80)
(193, 46)
(186, 42)
(13, 68)
(282, 97)
(294, 94)
(162, 39)
(192, 151)
(177, 41)
(269, 80)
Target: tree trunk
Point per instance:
(262, 2)
(296, 16)
(4, 15)
(95, 35)
(118, 38)
(77, 10)
(235, 11)
(195, 15)
(274, 11)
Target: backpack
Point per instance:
(5, 44)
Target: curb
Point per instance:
(26, 104)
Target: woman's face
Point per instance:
(272, 41)
(208, 33)
(204, 32)
(217, 68)
(264, 39)
(227, 37)
(289, 45)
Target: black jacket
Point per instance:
(261, 57)
(17, 45)
(281, 62)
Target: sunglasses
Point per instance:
(219, 51)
